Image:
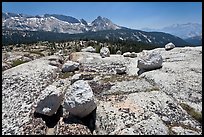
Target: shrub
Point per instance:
(191, 111)
(17, 62)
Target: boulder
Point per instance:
(150, 61)
(50, 100)
(126, 54)
(119, 52)
(89, 49)
(104, 52)
(79, 99)
(70, 66)
(169, 46)
(121, 70)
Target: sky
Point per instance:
(135, 15)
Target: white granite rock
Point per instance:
(150, 61)
(104, 52)
(79, 99)
(169, 46)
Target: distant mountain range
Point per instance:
(19, 28)
(190, 32)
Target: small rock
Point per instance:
(88, 49)
(169, 46)
(70, 66)
(119, 52)
(104, 52)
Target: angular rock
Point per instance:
(150, 61)
(169, 46)
(79, 99)
(89, 49)
(70, 66)
(50, 100)
(104, 52)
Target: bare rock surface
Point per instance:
(160, 101)
(21, 86)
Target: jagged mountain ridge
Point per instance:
(54, 23)
(25, 28)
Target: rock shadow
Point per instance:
(50, 121)
(89, 120)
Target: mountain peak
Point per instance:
(99, 17)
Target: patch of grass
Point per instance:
(154, 88)
(118, 78)
(17, 62)
(64, 75)
(37, 52)
(191, 111)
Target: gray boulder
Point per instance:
(104, 52)
(70, 66)
(50, 100)
(89, 49)
(119, 52)
(79, 99)
(150, 61)
(169, 46)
